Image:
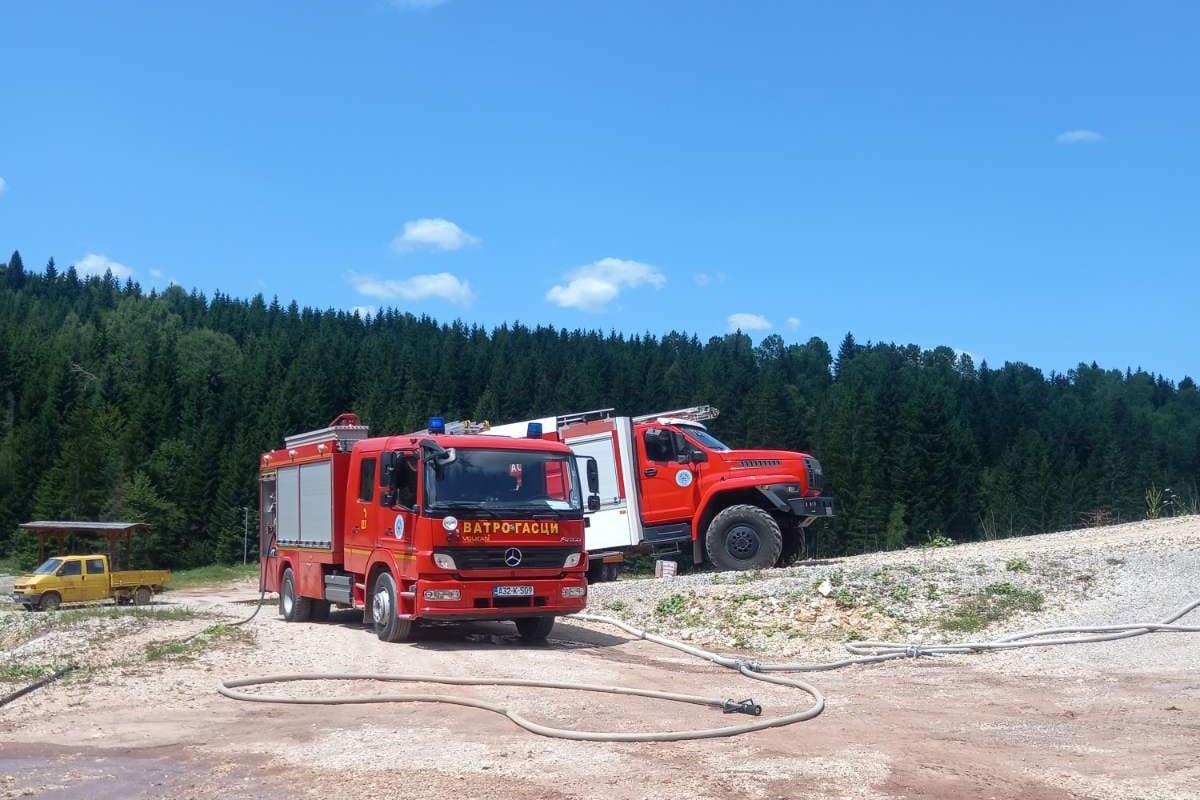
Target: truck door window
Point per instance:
(658, 445)
(405, 476)
(366, 480)
(71, 568)
(95, 566)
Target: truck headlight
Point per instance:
(572, 560)
(574, 591)
(444, 561)
(442, 594)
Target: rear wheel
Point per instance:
(142, 596)
(50, 601)
(535, 629)
(388, 626)
(743, 537)
(293, 607)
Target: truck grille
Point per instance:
(496, 557)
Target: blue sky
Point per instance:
(1017, 181)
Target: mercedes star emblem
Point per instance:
(512, 557)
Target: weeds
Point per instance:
(1017, 565)
(214, 573)
(673, 606)
(995, 603)
(616, 605)
(937, 539)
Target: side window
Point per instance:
(366, 480)
(95, 566)
(406, 481)
(658, 445)
(71, 568)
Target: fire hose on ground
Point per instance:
(861, 653)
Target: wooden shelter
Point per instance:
(113, 533)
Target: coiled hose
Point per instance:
(862, 653)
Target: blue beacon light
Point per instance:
(534, 431)
(437, 425)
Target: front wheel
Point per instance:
(50, 601)
(535, 629)
(743, 537)
(388, 626)
(293, 607)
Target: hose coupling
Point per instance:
(752, 666)
(912, 651)
(747, 706)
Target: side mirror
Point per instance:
(593, 476)
(387, 469)
(593, 502)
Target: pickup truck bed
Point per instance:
(133, 578)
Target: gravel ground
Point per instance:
(142, 719)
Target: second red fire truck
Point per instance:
(425, 526)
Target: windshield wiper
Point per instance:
(476, 506)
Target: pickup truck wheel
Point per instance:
(535, 629)
(293, 607)
(743, 537)
(142, 596)
(388, 626)
(50, 601)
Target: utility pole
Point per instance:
(245, 534)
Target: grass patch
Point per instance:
(616, 605)
(212, 574)
(186, 649)
(996, 602)
(1017, 565)
(24, 673)
(673, 606)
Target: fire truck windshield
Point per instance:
(499, 480)
(705, 439)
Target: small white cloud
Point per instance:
(432, 234)
(3, 184)
(363, 311)
(592, 287)
(441, 285)
(1080, 136)
(793, 323)
(96, 264)
(748, 322)
(702, 278)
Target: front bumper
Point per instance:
(811, 506)
(477, 601)
(25, 598)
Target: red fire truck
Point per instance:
(424, 526)
(666, 482)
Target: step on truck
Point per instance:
(666, 483)
(84, 579)
(428, 526)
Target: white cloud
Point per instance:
(793, 323)
(3, 184)
(592, 287)
(441, 285)
(363, 311)
(748, 322)
(1079, 136)
(432, 234)
(96, 264)
(702, 278)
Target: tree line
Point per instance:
(117, 403)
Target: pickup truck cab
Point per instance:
(80, 579)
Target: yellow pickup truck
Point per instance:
(79, 579)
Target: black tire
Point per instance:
(50, 601)
(142, 596)
(320, 610)
(388, 626)
(743, 537)
(293, 607)
(535, 629)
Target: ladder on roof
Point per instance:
(584, 416)
(692, 414)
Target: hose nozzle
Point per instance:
(747, 706)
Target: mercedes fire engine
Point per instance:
(666, 483)
(425, 526)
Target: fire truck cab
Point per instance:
(666, 482)
(424, 526)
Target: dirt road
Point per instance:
(150, 724)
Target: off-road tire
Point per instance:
(535, 629)
(743, 537)
(293, 607)
(50, 601)
(388, 627)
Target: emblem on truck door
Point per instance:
(512, 557)
(683, 478)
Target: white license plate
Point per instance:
(512, 591)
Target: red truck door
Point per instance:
(668, 487)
